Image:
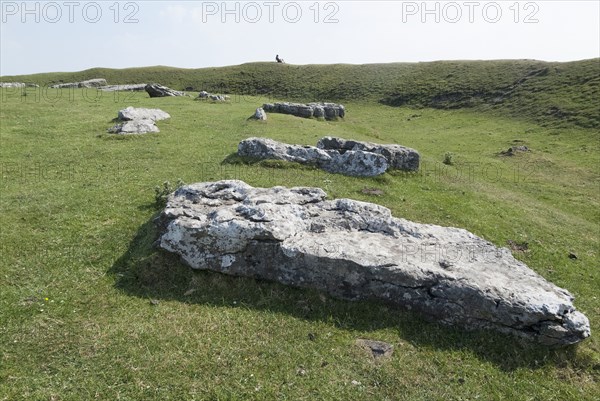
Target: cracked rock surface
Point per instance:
(90, 83)
(138, 121)
(398, 156)
(137, 113)
(356, 163)
(126, 88)
(328, 111)
(156, 90)
(356, 250)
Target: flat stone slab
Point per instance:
(204, 95)
(398, 156)
(353, 163)
(356, 250)
(90, 83)
(134, 127)
(12, 85)
(123, 88)
(138, 121)
(156, 90)
(328, 111)
(137, 113)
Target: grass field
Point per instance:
(90, 310)
(552, 94)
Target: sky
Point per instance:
(51, 36)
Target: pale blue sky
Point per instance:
(76, 35)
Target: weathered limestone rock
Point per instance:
(123, 88)
(329, 111)
(133, 113)
(259, 114)
(156, 90)
(138, 121)
(18, 85)
(264, 148)
(336, 155)
(93, 83)
(203, 95)
(90, 83)
(65, 85)
(134, 127)
(513, 150)
(398, 157)
(356, 163)
(353, 163)
(12, 85)
(377, 349)
(356, 250)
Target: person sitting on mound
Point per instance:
(278, 59)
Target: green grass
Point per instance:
(551, 93)
(89, 310)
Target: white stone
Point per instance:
(357, 250)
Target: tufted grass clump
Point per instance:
(161, 193)
(448, 159)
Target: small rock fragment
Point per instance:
(378, 349)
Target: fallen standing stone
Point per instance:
(328, 111)
(138, 121)
(123, 88)
(356, 250)
(133, 113)
(134, 127)
(90, 83)
(156, 90)
(353, 163)
(12, 85)
(203, 95)
(398, 157)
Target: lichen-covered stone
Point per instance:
(356, 250)
(328, 111)
(353, 163)
(138, 121)
(138, 113)
(134, 127)
(156, 90)
(398, 156)
(90, 83)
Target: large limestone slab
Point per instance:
(328, 111)
(356, 250)
(134, 127)
(204, 95)
(398, 156)
(123, 88)
(12, 85)
(18, 85)
(90, 83)
(139, 113)
(354, 163)
(156, 90)
(134, 120)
